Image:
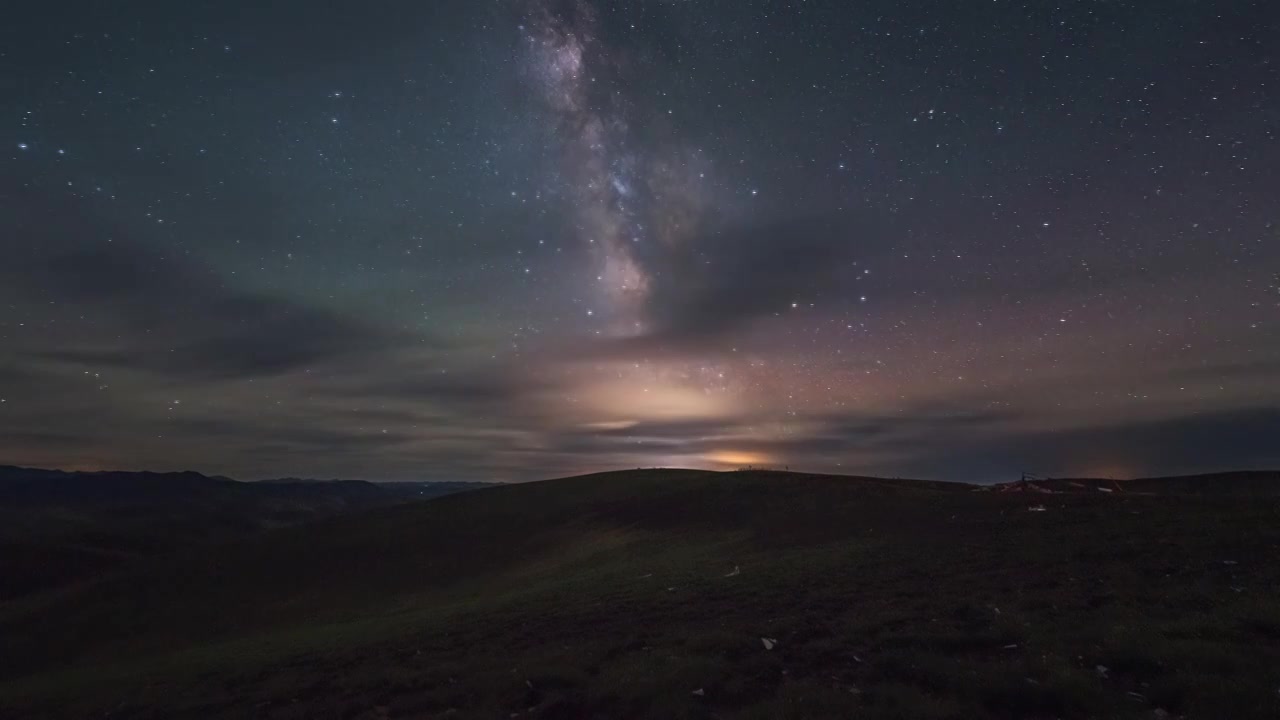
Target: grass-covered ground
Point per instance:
(651, 594)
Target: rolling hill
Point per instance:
(684, 594)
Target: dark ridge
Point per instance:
(60, 527)
(1243, 482)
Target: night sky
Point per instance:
(505, 240)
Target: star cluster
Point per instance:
(515, 239)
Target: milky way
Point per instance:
(517, 239)
(565, 58)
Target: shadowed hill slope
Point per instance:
(652, 594)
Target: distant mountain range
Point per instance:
(1259, 482)
(57, 527)
(21, 485)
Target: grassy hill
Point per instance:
(684, 594)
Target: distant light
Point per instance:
(22, 146)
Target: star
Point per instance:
(289, 266)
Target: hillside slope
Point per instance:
(685, 594)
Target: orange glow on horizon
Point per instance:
(738, 458)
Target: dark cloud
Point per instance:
(333, 434)
(59, 440)
(465, 387)
(500, 389)
(828, 437)
(12, 375)
(702, 291)
(174, 316)
(1259, 370)
(670, 429)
